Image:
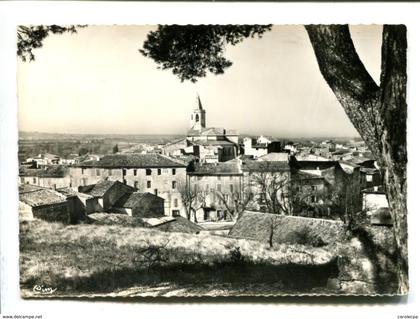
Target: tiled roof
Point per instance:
(213, 142)
(257, 226)
(133, 160)
(131, 200)
(41, 197)
(156, 221)
(24, 188)
(47, 171)
(213, 131)
(51, 156)
(66, 191)
(182, 141)
(210, 131)
(276, 156)
(265, 166)
(99, 189)
(225, 168)
(178, 225)
(313, 165)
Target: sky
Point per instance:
(96, 82)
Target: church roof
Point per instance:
(213, 142)
(199, 105)
(210, 131)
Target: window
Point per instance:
(219, 187)
(148, 171)
(219, 178)
(159, 171)
(83, 171)
(98, 172)
(369, 178)
(124, 172)
(156, 191)
(197, 118)
(22, 180)
(226, 197)
(173, 171)
(176, 202)
(231, 188)
(134, 172)
(136, 184)
(109, 172)
(207, 187)
(313, 199)
(34, 180)
(175, 213)
(173, 184)
(149, 184)
(313, 187)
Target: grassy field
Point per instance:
(118, 260)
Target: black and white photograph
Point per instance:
(212, 160)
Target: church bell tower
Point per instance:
(198, 116)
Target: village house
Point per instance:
(291, 147)
(218, 187)
(309, 194)
(154, 173)
(44, 159)
(47, 204)
(106, 192)
(82, 203)
(70, 159)
(140, 205)
(51, 176)
(260, 146)
(343, 181)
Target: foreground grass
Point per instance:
(102, 259)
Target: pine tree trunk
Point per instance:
(377, 112)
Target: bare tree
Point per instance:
(273, 186)
(188, 198)
(240, 202)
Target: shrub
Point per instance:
(235, 255)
